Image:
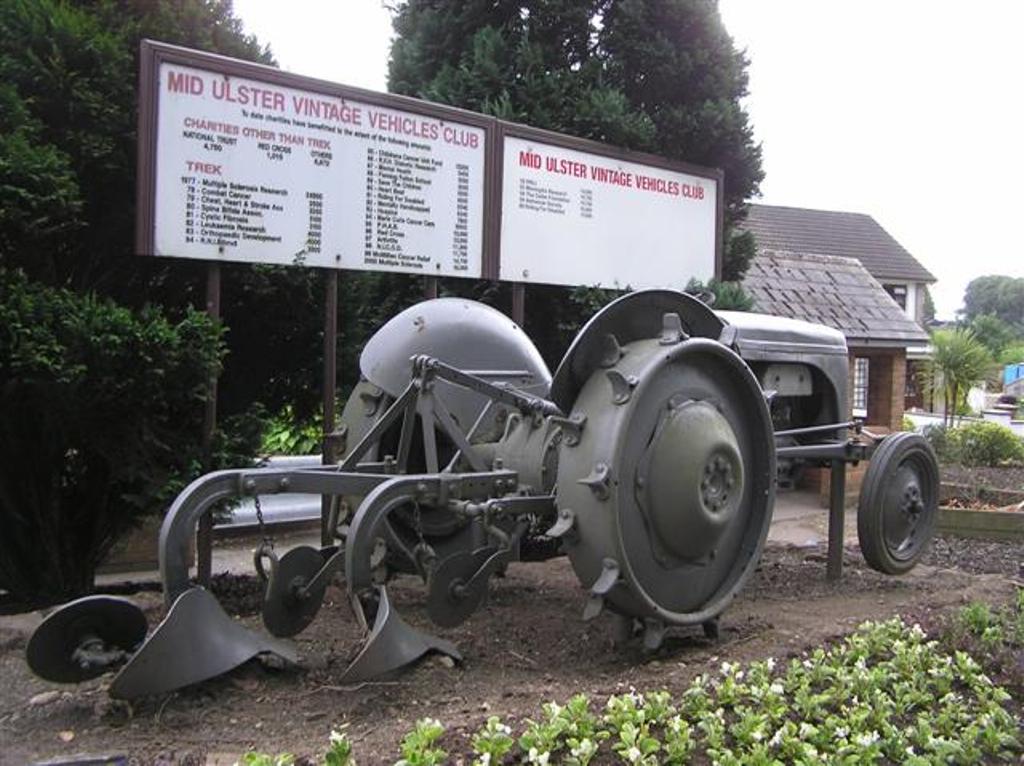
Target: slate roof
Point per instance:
(829, 232)
(836, 292)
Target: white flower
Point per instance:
(586, 748)
(776, 688)
(842, 731)
(770, 662)
(867, 740)
(727, 668)
(539, 758)
(633, 754)
(485, 759)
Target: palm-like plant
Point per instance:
(959, 361)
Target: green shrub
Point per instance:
(287, 435)
(939, 437)
(986, 444)
(907, 424)
(100, 421)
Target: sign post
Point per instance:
(329, 445)
(519, 303)
(204, 534)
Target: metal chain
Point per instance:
(267, 540)
(417, 521)
(426, 556)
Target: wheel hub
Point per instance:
(912, 502)
(694, 480)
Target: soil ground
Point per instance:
(1004, 477)
(527, 645)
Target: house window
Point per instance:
(898, 294)
(860, 387)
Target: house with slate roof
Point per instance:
(845, 271)
(849, 235)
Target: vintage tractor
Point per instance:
(650, 459)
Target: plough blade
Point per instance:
(393, 644)
(196, 641)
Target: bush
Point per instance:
(287, 435)
(986, 444)
(100, 423)
(906, 424)
(938, 437)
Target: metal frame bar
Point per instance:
(836, 520)
(826, 429)
(837, 454)
(849, 451)
(179, 525)
(506, 395)
(407, 399)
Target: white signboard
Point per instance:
(577, 218)
(262, 173)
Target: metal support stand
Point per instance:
(429, 288)
(204, 534)
(836, 520)
(518, 302)
(329, 456)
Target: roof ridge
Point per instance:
(810, 209)
(835, 232)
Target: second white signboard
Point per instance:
(577, 218)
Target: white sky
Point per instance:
(909, 111)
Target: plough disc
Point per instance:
(85, 638)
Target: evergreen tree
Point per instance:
(661, 76)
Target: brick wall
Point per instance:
(820, 480)
(887, 376)
(887, 383)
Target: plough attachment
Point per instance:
(649, 459)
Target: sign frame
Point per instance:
(154, 54)
(562, 141)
